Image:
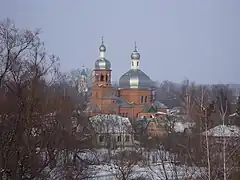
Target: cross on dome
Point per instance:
(135, 54)
(102, 47)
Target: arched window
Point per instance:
(97, 77)
(107, 77)
(137, 63)
(145, 99)
(102, 77)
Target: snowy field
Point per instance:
(159, 166)
(154, 172)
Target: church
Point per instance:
(134, 97)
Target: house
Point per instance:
(234, 119)
(156, 109)
(223, 141)
(151, 127)
(156, 128)
(181, 127)
(231, 133)
(223, 131)
(112, 131)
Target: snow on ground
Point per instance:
(159, 164)
(154, 172)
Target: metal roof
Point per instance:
(135, 79)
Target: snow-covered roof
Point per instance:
(223, 131)
(175, 110)
(111, 123)
(234, 115)
(181, 126)
(159, 112)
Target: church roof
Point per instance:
(135, 79)
(153, 108)
(118, 100)
(102, 63)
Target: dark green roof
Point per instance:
(119, 101)
(149, 109)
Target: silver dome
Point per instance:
(135, 55)
(102, 63)
(102, 48)
(135, 79)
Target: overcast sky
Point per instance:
(177, 39)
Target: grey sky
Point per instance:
(197, 39)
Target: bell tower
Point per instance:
(102, 78)
(102, 71)
(135, 58)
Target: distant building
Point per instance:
(154, 110)
(83, 82)
(234, 119)
(227, 131)
(112, 131)
(220, 132)
(151, 127)
(217, 137)
(134, 93)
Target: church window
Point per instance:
(119, 139)
(127, 138)
(142, 99)
(137, 63)
(101, 138)
(102, 77)
(97, 77)
(145, 99)
(107, 77)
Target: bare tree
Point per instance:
(168, 93)
(216, 153)
(223, 101)
(35, 115)
(14, 43)
(79, 78)
(124, 164)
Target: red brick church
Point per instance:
(134, 95)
